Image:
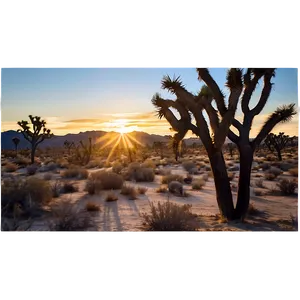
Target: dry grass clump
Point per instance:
(230, 176)
(162, 172)
(259, 183)
(130, 191)
(108, 180)
(142, 190)
(23, 198)
(69, 187)
(265, 166)
(138, 173)
(76, 173)
(90, 206)
(275, 171)
(22, 161)
(10, 167)
(294, 172)
(270, 176)
(117, 167)
(111, 196)
(56, 189)
(259, 192)
(15, 224)
(148, 164)
(162, 189)
(198, 184)
(68, 217)
(172, 177)
(287, 187)
(93, 186)
(189, 165)
(169, 217)
(94, 164)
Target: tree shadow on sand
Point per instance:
(110, 216)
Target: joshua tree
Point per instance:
(231, 148)
(16, 141)
(69, 145)
(159, 146)
(190, 105)
(277, 142)
(35, 136)
(83, 152)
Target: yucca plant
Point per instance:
(241, 86)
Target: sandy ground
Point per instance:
(124, 215)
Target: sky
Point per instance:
(76, 100)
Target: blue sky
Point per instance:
(105, 96)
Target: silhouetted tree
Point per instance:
(35, 135)
(16, 141)
(277, 142)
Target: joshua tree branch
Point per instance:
(204, 75)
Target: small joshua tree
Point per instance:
(83, 152)
(231, 149)
(16, 141)
(69, 145)
(240, 85)
(35, 135)
(159, 146)
(277, 142)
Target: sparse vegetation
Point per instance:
(129, 191)
(75, 173)
(90, 206)
(170, 217)
(294, 172)
(172, 177)
(142, 190)
(108, 180)
(162, 189)
(68, 217)
(198, 184)
(287, 187)
(11, 167)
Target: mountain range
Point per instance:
(97, 137)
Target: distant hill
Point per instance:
(58, 141)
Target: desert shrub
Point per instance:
(47, 176)
(22, 161)
(15, 224)
(204, 177)
(24, 197)
(56, 189)
(294, 172)
(265, 166)
(189, 165)
(110, 197)
(169, 217)
(259, 183)
(68, 217)
(275, 171)
(148, 164)
(108, 180)
(93, 186)
(31, 170)
(176, 188)
(76, 173)
(69, 187)
(230, 176)
(142, 190)
(90, 206)
(10, 167)
(162, 189)
(117, 167)
(129, 191)
(270, 176)
(94, 164)
(198, 184)
(287, 187)
(172, 177)
(138, 173)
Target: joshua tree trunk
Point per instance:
(246, 159)
(33, 153)
(222, 184)
(279, 154)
